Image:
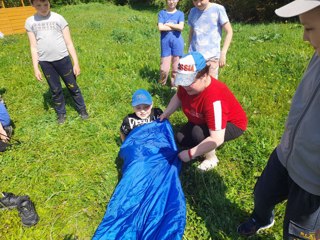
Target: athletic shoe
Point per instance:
(8, 201)
(62, 118)
(27, 212)
(252, 227)
(83, 114)
(210, 162)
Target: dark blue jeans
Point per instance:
(53, 71)
(302, 217)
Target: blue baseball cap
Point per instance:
(141, 96)
(188, 67)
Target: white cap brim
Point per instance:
(297, 7)
(184, 79)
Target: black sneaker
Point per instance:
(8, 201)
(83, 114)
(62, 118)
(27, 212)
(252, 227)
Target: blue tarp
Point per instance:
(148, 202)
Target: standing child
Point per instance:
(51, 44)
(207, 20)
(143, 112)
(293, 169)
(170, 24)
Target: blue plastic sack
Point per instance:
(148, 202)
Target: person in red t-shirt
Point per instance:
(214, 114)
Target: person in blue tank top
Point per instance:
(170, 25)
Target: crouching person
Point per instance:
(214, 114)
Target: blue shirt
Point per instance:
(167, 17)
(4, 116)
(207, 30)
(171, 41)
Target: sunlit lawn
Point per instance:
(70, 171)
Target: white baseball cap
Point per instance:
(297, 7)
(188, 67)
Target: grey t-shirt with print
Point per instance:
(51, 45)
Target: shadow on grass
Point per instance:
(151, 74)
(2, 91)
(206, 194)
(119, 163)
(48, 103)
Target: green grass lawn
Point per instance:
(70, 171)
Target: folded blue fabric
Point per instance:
(148, 202)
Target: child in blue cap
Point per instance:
(143, 112)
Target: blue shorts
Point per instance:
(172, 45)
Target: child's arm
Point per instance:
(163, 27)
(125, 128)
(34, 55)
(174, 104)
(72, 50)
(177, 27)
(227, 40)
(122, 136)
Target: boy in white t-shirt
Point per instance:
(206, 21)
(50, 45)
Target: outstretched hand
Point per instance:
(163, 116)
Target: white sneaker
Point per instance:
(210, 162)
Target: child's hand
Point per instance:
(222, 59)
(163, 116)
(38, 75)
(76, 70)
(168, 25)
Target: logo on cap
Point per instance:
(186, 67)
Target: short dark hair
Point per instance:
(203, 71)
